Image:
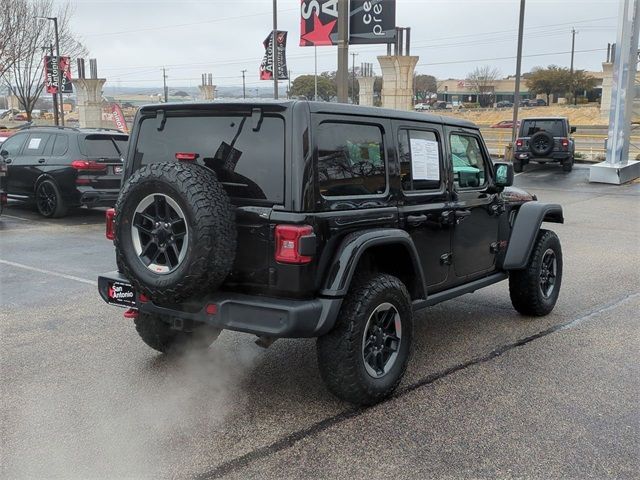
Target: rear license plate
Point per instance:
(121, 294)
(118, 170)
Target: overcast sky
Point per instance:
(133, 39)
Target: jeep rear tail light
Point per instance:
(110, 232)
(519, 142)
(564, 142)
(89, 166)
(289, 240)
(187, 156)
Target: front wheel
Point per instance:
(364, 357)
(159, 335)
(534, 291)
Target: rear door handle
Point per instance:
(415, 220)
(42, 160)
(462, 213)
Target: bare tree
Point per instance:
(35, 37)
(482, 82)
(11, 11)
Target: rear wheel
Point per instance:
(534, 290)
(363, 358)
(517, 166)
(567, 165)
(159, 335)
(49, 200)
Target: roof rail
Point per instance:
(56, 127)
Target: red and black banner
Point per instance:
(318, 22)
(53, 66)
(372, 21)
(118, 118)
(266, 67)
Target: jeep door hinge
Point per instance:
(446, 258)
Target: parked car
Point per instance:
(544, 139)
(303, 219)
(538, 102)
(441, 105)
(504, 124)
(421, 107)
(58, 168)
(504, 104)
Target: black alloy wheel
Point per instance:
(548, 273)
(159, 233)
(381, 340)
(49, 200)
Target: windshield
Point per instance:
(554, 127)
(249, 163)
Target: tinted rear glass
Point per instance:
(104, 146)
(554, 127)
(249, 163)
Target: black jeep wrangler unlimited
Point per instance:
(301, 219)
(544, 139)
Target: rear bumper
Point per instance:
(554, 157)
(263, 316)
(99, 198)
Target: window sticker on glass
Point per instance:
(34, 143)
(425, 159)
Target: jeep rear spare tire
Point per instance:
(541, 144)
(175, 234)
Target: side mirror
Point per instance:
(573, 130)
(503, 173)
(4, 154)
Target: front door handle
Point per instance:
(42, 160)
(415, 220)
(462, 213)
(8, 160)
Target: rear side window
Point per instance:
(419, 160)
(103, 146)
(60, 146)
(351, 160)
(36, 144)
(554, 127)
(249, 163)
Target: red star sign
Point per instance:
(320, 35)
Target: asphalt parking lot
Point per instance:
(488, 393)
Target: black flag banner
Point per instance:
(266, 67)
(372, 21)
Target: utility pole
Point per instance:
(573, 49)
(353, 78)
(275, 49)
(516, 97)
(244, 87)
(164, 82)
(315, 75)
(343, 51)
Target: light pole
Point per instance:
(275, 49)
(244, 88)
(516, 96)
(60, 73)
(54, 96)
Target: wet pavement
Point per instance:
(488, 393)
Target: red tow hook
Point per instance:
(131, 313)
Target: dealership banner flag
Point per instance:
(266, 67)
(118, 118)
(52, 68)
(318, 22)
(372, 21)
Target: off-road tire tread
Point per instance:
(339, 351)
(517, 166)
(567, 165)
(524, 290)
(213, 229)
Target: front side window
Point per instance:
(419, 160)
(351, 160)
(469, 169)
(13, 144)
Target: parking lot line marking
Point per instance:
(235, 464)
(49, 272)
(17, 218)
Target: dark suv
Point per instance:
(61, 167)
(544, 140)
(302, 219)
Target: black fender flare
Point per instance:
(343, 267)
(525, 231)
